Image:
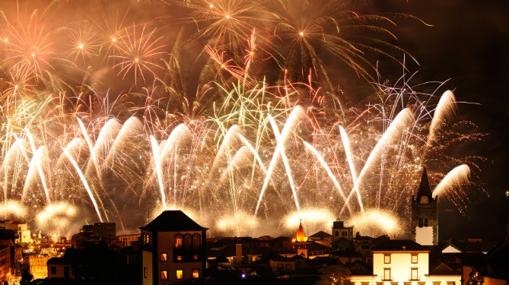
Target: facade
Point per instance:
(424, 224)
(37, 265)
(59, 268)
(173, 250)
(404, 262)
(7, 254)
(339, 231)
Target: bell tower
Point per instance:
(424, 224)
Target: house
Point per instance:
(59, 268)
(406, 262)
(173, 250)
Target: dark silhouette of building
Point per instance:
(95, 234)
(424, 224)
(173, 250)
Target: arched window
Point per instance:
(420, 223)
(188, 241)
(425, 222)
(178, 241)
(196, 241)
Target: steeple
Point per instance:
(424, 189)
(300, 235)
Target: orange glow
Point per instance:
(300, 235)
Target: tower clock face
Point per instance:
(424, 200)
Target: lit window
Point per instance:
(179, 257)
(145, 273)
(436, 282)
(387, 258)
(178, 241)
(414, 275)
(164, 275)
(196, 273)
(196, 257)
(163, 257)
(387, 274)
(179, 274)
(451, 282)
(415, 258)
(146, 239)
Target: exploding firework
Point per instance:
(104, 123)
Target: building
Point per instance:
(405, 262)
(37, 265)
(128, 239)
(23, 234)
(94, 234)
(60, 268)
(424, 223)
(300, 242)
(7, 254)
(339, 231)
(173, 250)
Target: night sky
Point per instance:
(468, 44)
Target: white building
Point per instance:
(404, 262)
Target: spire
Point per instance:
(424, 189)
(300, 236)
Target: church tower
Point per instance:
(424, 223)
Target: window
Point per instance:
(178, 241)
(196, 257)
(364, 283)
(179, 257)
(146, 239)
(436, 282)
(414, 274)
(415, 258)
(196, 273)
(163, 257)
(179, 274)
(425, 222)
(407, 283)
(196, 241)
(451, 282)
(53, 270)
(164, 275)
(420, 223)
(387, 274)
(343, 234)
(387, 258)
(188, 241)
(145, 272)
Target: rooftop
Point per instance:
(399, 245)
(173, 220)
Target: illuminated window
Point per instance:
(436, 282)
(424, 200)
(179, 274)
(163, 256)
(145, 272)
(364, 283)
(164, 275)
(146, 239)
(196, 273)
(179, 257)
(178, 241)
(415, 258)
(196, 257)
(414, 274)
(451, 282)
(387, 274)
(387, 258)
